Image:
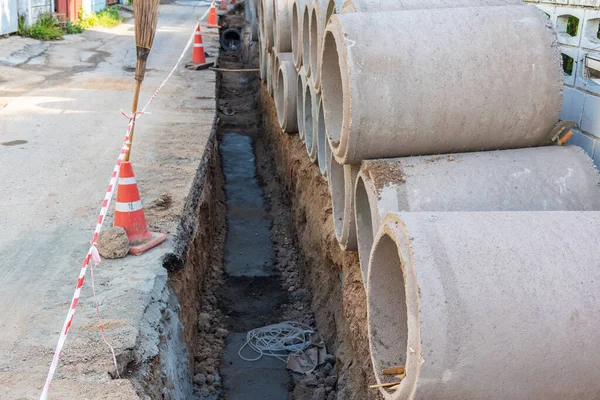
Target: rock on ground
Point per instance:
(113, 243)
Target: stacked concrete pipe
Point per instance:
(551, 178)
(285, 96)
(334, 7)
(270, 74)
(277, 60)
(310, 137)
(487, 305)
(282, 23)
(296, 31)
(320, 132)
(300, 87)
(250, 12)
(305, 37)
(262, 60)
(265, 11)
(317, 27)
(341, 179)
(397, 83)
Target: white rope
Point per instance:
(278, 340)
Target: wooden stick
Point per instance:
(393, 387)
(235, 70)
(393, 370)
(382, 385)
(134, 106)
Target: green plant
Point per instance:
(106, 18)
(567, 64)
(73, 27)
(572, 25)
(45, 28)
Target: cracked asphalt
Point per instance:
(60, 133)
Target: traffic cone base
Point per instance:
(129, 214)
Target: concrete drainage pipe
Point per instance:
(316, 27)
(297, 18)
(321, 134)
(270, 74)
(310, 137)
(251, 18)
(283, 21)
(439, 103)
(279, 58)
(305, 37)
(266, 16)
(548, 178)
(341, 179)
(300, 88)
(285, 96)
(262, 53)
(487, 305)
(231, 40)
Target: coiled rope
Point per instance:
(278, 340)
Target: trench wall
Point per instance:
(339, 300)
(577, 23)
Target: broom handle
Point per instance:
(134, 106)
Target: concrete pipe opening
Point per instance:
(301, 84)
(332, 90)
(338, 196)
(314, 41)
(306, 39)
(280, 98)
(364, 225)
(270, 74)
(231, 40)
(331, 9)
(308, 121)
(387, 311)
(295, 33)
(263, 57)
(321, 138)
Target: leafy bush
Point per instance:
(45, 28)
(106, 18)
(73, 28)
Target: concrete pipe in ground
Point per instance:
(320, 132)
(317, 27)
(548, 178)
(439, 103)
(305, 36)
(487, 305)
(285, 96)
(262, 53)
(281, 25)
(266, 9)
(300, 87)
(310, 137)
(341, 179)
(297, 17)
(270, 74)
(279, 58)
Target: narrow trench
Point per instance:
(260, 280)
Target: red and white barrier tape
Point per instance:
(92, 254)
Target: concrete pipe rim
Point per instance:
(321, 138)
(330, 10)
(289, 105)
(300, 85)
(295, 38)
(393, 309)
(280, 98)
(363, 214)
(308, 120)
(335, 88)
(262, 62)
(313, 43)
(231, 40)
(328, 160)
(306, 39)
(270, 74)
(338, 197)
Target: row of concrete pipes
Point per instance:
(478, 240)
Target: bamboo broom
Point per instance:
(146, 18)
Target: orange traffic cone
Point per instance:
(129, 214)
(198, 52)
(212, 16)
(223, 5)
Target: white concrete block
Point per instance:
(591, 23)
(555, 1)
(585, 3)
(562, 16)
(550, 10)
(574, 54)
(590, 121)
(587, 143)
(572, 106)
(588, 76)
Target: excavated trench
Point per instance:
(259, 250)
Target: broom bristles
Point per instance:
(146, 19)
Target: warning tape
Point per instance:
(92, 254)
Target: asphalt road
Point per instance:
(60, 134)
